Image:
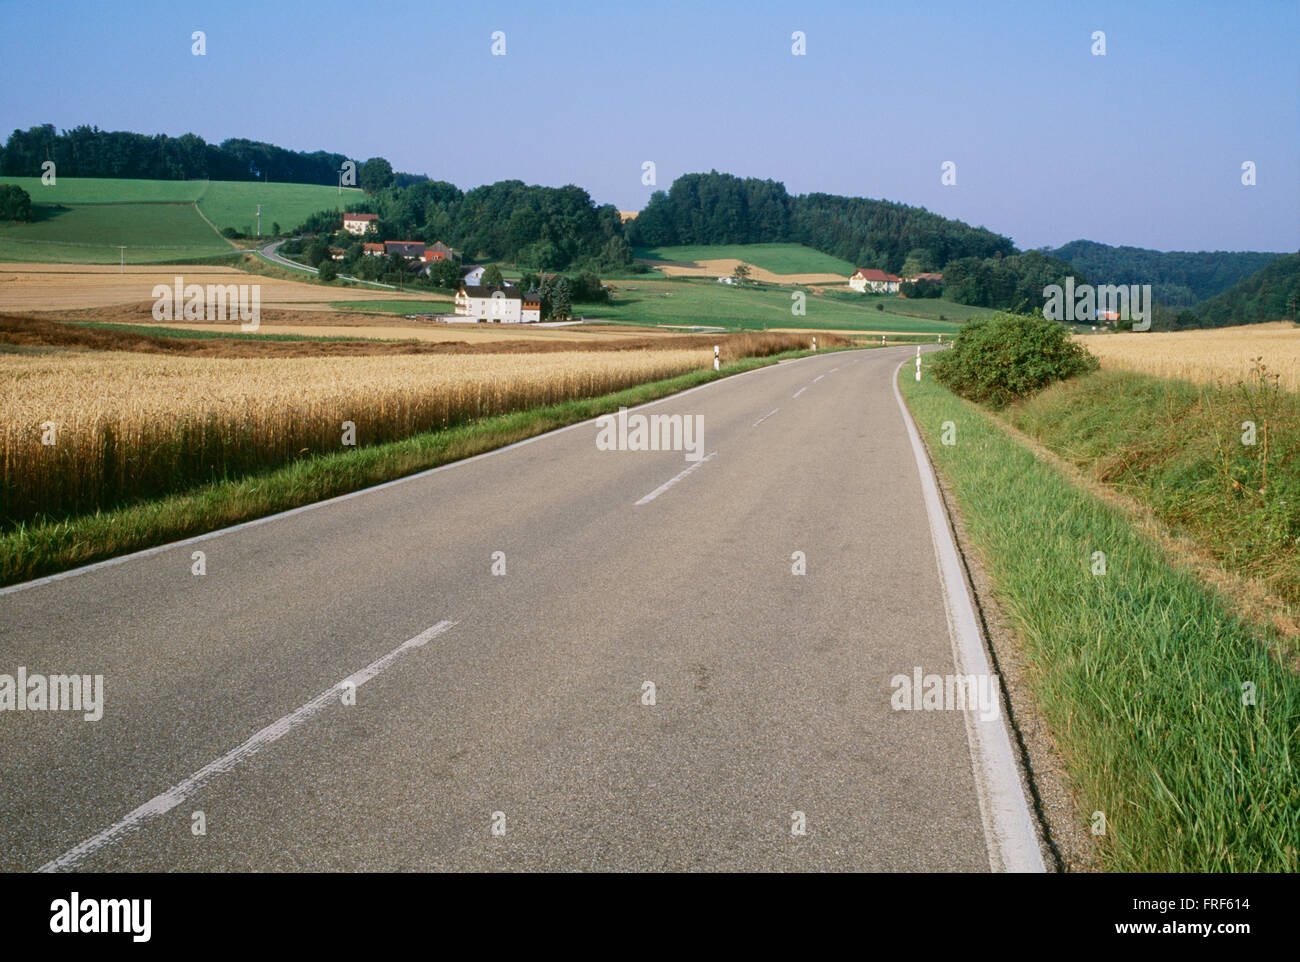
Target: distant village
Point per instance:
(474, 302)
(505, 303)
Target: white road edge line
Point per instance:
(766, 416)
(671, 481)
(1009, 829)
(798, 392)
(159, 549)
(818, 378)
(179, 792)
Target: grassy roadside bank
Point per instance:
(1178, 448)
(34, 550)
(1141, 672)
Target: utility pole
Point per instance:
(122, 250)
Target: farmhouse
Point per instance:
(404, 249)
(359, 223)
(473, 276)
(437, 251)
(878, 282)
(373, 250)
(337, 253)
(503, 305)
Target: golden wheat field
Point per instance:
(128, 425)
(1222, 355)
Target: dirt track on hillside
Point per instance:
(723, 266)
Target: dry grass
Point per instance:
(43, 287)
(1220, 356)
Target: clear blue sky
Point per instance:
(1143, 146)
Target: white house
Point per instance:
(502, 305)
(474, 276)
(878, 282)
(359, 223)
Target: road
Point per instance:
(271, 252)
(516, 701)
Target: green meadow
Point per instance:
(708, 303)
(91, 234)
(85, 219)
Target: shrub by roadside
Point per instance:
(1009, 357)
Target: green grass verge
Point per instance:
(1177, 447)
(35, 550)
(1139, 671)
(396, 307)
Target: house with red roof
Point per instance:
(877, 282)
(360, 223)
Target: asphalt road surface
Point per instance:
(500, 720)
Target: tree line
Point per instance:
(548, 228)
(1177, 278)
(87, 151)
(717, 208)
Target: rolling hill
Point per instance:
(1177, 278)
(88, 220)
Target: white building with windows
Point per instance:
(500, 305)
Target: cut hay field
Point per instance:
(158, 220)
(52, 287)
(1221, 355)
(773, 263)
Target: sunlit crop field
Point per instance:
(128, 425)
(1222, 355)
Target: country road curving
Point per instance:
(495, 623)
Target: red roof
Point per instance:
(373, 247)
(871, 274)
(361, 217)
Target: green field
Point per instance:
(437, 306)
(777, 258)
(90, 234)
(158, 220)
(107, 190)
(234, 203)
(707, 303)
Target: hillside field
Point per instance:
(707, 303)
(159, 220)
(774, 258)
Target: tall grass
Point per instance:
(1178, 447)
(1141, 672)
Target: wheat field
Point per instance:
(1218, 356)
(128, 425)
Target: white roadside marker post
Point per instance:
(918, 362)
(882, 340)
(716, 363)
(814, 344)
